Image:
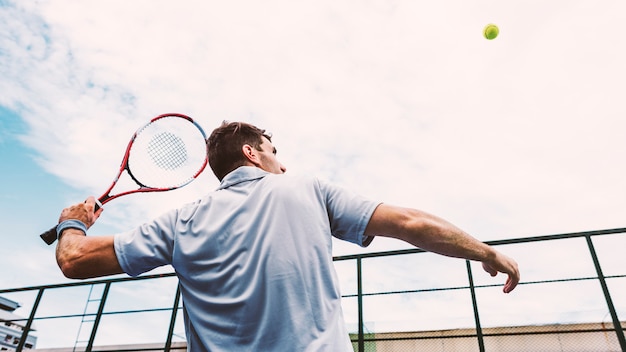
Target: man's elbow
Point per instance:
(416, 223)
(81, 257)
(70, 268)
(69, 261)
(401, 223)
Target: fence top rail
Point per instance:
(492, 243)
(337, 258)
(90, 282)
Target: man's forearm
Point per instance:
(82, 257)
(436, 235)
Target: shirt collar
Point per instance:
(242, 174)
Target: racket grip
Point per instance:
(49, 236)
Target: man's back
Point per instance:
(255, 262)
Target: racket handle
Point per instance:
(49, 236)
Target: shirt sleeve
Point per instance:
(146, 247)
(349, 213)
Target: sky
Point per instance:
(404, 102)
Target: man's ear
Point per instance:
(251, 154)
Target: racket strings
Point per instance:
(167, 153)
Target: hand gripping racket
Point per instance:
(165, 154)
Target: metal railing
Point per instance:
(381, 293)
(475, 337)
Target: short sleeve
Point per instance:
(349, 213)
(146, 247)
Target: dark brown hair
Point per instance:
(225, 142)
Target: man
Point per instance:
(254, 257)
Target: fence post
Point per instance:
(96, 322)
(359, 279)
(616, 323)
(479, 330)
(29, 323)
(170, 332)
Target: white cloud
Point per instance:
(492, 133)
(404, 102)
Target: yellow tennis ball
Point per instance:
(491, 31)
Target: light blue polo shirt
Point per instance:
(254, 260)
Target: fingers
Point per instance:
(91, 205)
(511, 281)
(83, 212)
(509, 285)
(77, 212)
(507, 266)
(490, 270)
(514, 275)
(91, 202)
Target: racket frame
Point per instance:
(107, 196)
(50, 236)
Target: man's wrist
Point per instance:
(70, 224)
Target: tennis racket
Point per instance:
(167, 153)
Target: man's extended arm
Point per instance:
(436, 235)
